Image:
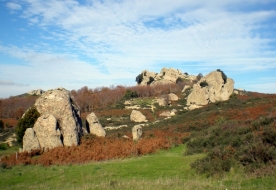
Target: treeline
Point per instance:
(88, 99)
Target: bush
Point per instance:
(27, 121)
(4, 146)
(130, 94)
(203, 84)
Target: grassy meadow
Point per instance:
(166, 169)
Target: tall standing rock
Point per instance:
(211, 88)
(137, 132)
(94, 126)
(62, 106)
(30, 141)
(47, 132)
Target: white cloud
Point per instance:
(117, 39)
(13, 6)
(10, 83)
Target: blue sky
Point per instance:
(71, 44)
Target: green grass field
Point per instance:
(162, 170)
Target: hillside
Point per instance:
(235, 134)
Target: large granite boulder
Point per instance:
(62, 106)
(93, 125)
(47, 132)
(215, 86)
(30, 141)
(137, 132)
(137, 116)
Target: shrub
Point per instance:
(203, 84)
(27, 121)
(139, 78)
(130, 94)
(4, 146)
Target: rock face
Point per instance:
(211, 88)
(47, 132)
(165, 76)
(137, 132)
(62, 106)
(137, 116)
(36, 92)
(30, 141)
(93, 125)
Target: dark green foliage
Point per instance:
(224, 77)
(130, 94)
(139, 78)
(4, 146)
(25, 122)
(229, 144)
(1, 126)
(203, 84)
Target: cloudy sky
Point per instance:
(71, 44)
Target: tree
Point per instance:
(1, 126)
(27, 121)
(139, 78)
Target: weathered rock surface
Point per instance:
(137, 116)
(186, 87)
(47, 132)
(165, 76)
(172, 97)
(137, 132)
(211, 88)
(62, 106)
(36, 92)
(30, 141)
(94, 126)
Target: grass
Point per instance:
(162, 170)
(9, 151)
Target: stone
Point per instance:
(186, 87)
(172, 97)
(37, 92)
(94, 126)
(137, 132)
(162, 101)
(137, 116)
(62, 106)
(210, 88)
(47, 132)
(165, 114)
(30, 141)
(125, 137)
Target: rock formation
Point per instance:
(93, 125)
(137, 132)
(137, 116)
(211, 88)
(172, 97)
(165, 76)
(30, 141)
(62, 106)
(36, 92)
(47, 132)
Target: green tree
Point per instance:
(1, 126)
(130, 94)
(27, 121)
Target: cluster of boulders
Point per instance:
(59, 123)
(213, 87)
(37, 92)
(165, 76)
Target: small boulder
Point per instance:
(93, 125)
(137, 116)
(30, 141)
(172, 97)
(137, 132)
(47, 132)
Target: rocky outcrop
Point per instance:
(47, 132)
(211, 88)
(137, 116)
(93, 125)
(165, 76)
(62, 106)
(30, 141)
(36, 92)
(137, 132)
